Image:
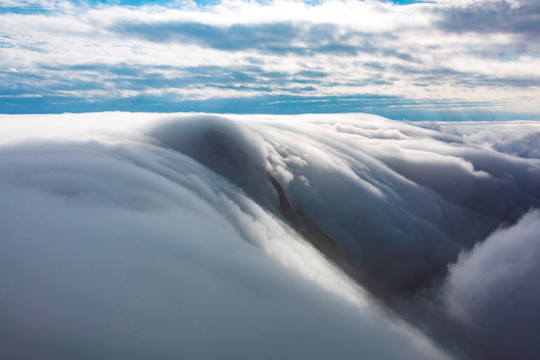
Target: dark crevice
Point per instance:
(322, 242)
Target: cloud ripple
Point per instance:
(139, 235)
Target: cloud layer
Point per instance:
(115, 247)
(493, 289)
(430, 60)
(139, 235)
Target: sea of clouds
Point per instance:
(314, 236)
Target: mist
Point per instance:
(311, 236)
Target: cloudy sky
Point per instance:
(437, 60)
(269, 229)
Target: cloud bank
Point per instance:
(143, 235)
(493, 289)
(115, 247)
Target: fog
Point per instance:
(312, 236)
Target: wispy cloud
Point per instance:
(241, 50)
(277, 38)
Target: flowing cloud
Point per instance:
(115, 247)
(195, 235)
(494, 288)
(401, 203)
(521, 141)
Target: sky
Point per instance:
(209, 179)
(432, 60)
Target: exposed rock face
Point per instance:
(223, 147)
(309, 231)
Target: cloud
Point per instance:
(519, 17)
(519, 141)
(278, 38)
(401, 202)
(136, 234)
(113, 246)
(118, 54)
(493, 290)
(528, 146)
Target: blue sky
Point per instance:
(437, 60)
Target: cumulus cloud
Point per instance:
(521, 141)
(494, 290)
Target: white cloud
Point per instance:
(494, 290)
(365, 47)
(169, 226)
(115, 247)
